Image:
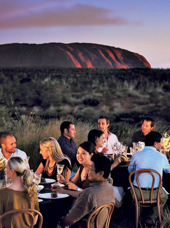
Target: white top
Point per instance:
(109, 143)
(17, 153)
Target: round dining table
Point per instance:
(53, 209)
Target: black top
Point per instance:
(68, 148)
(53, 174)
(85, 183)
(138, 136)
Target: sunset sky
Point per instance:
(140, 26)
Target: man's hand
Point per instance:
(57, 188)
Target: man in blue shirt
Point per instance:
(150, 158)
(66, 141)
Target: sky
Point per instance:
(140, 26)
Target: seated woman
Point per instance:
(21, 194)
(52, 155)
(97, 137)
(80, 181)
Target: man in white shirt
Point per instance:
(8, 144)
(111, 139)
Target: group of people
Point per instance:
(90, 182)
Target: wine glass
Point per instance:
(26, 160)
(37, 178)
(60, 168)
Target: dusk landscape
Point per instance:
(137, 26)
(77, 60)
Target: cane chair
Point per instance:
(97, 213)
(13, 214)
(148, 202)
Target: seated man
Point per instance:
(147, 125)
(110, 138)
(8, 144)
(98, 193)
(66, 140)
(150, 158)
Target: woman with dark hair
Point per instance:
(21, 194)
(80, 180)
(96, 137)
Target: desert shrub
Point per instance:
(91, 102)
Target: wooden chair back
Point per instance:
(31, 212)
(146, 202)
(96, 215)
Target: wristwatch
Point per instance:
(78, 189)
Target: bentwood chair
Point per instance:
(12, 215)
(108, 208)
(140, 201)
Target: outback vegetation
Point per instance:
(124, 95)
(33, 102)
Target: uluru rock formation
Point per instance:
(73, 55)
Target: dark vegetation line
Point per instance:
(122, 94)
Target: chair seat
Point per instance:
(153, 195)
(95, 215)
(12, 215)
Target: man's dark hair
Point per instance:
(148, 118)
(88, 146)
(104, 117)
(93, 134)
(152, 137)
(101, 163)
(3, 136)
(65, 124)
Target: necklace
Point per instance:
(52, 167)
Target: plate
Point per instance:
(40, 200)
(60, 184)
(48, 196)
(48, 181)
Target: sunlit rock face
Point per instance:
(74, 55)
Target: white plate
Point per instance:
(40, 200)
(48, 181)
(60, 184)
(48, 196)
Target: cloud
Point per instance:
(53, 13)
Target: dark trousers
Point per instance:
(152, 212)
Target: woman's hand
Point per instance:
(104, 150)
(61, 179)
(116, 162)
(72, 186)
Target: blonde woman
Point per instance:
(21, 194)
(52, 155)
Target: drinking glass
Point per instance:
(8, 182)
(26, 160)
(37, 178)
(60, 168)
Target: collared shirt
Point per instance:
(17, 153)
(138, 136)
(68, 148)
(109, 143)
(149, 158)
(97, 194)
